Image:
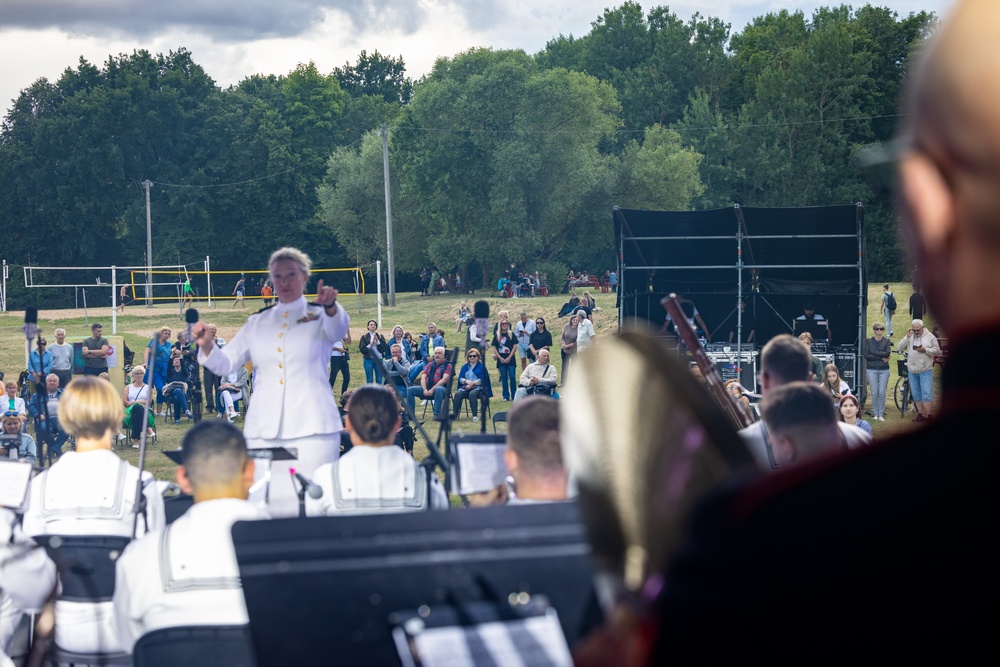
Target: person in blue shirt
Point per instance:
(432, 339)
(40, 365)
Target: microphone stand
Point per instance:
(140, 498)
(436, 458)
(300, 492)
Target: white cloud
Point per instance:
(233, 39)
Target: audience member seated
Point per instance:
(783, 360)
(27, 579)
(801, 422)
(90, 491)
(850, 410)
(832, 383)
(397, 370)
(473, 379)
(186, 574)
(539, 378)
(232, 388)
(534, 451)
(12, 403)
(134, 397)
(432, 339)
(375, 475)
(44, 409)
(175, 391)
(433, 381)
(26, 450)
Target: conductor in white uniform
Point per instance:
(186, 574)
(289, 344)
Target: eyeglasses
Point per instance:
(540, 322)
(473, 356)
(879, 328)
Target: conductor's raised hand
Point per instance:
(326, 296)
(201, 335)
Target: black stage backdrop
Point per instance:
(777, 258)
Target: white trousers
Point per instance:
(313, 451)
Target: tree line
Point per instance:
(495, 155)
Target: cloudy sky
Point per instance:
(233, 39)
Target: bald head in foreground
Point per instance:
(884, 553)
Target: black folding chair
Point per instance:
(86, 566)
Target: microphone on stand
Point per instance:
(314, 490)
(191, 317)
(481, 309)
(30, 327)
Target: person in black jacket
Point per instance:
(373, 350)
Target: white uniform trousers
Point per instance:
(313, 451)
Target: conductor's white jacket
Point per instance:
(289, 345)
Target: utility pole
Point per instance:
(388, 216)
(149, 250)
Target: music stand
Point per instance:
(325, 587)
(476, 462)
(262, 457)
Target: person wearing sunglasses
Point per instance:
(540, 339)
(878, 349)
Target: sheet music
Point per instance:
(14, 479)
(537, 641)
(480, 466)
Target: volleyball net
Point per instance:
(167, 285)
(175, 284)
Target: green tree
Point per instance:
(661, 174)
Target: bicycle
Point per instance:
(901, 392)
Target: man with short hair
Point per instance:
(783, 360)
(95, 352)
(397, 370)
(534, 452)
(584, 330)
(523, 329)
(62, 358)
(896, 537)
(186, 574)
(433, 381)
(44, 409)
(432, 339)
(539, 377)
(920, 347)
(801, 422)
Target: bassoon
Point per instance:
(687, 333)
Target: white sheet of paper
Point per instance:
(14, 479)
(481, 467)
(495, 643)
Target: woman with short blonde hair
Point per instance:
(91, 491)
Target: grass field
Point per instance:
(412, 312)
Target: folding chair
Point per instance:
(86, 566)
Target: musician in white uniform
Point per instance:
(289, 344)
(90, 491)
(376, 475)
(186, 574)
(27, 577)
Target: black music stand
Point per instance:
(324, 588)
